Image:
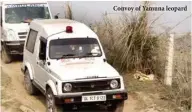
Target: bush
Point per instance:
(128, 42)
(130, 45)
(182, 71)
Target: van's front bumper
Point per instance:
(14, 47)
(77, 98)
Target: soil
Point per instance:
(14, 97)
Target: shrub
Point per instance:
(128, 42)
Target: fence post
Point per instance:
(169, 66)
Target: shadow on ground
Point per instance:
(17, 58)
(70, 108)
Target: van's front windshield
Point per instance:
(74, 48)
(19, 13)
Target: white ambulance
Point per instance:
(64, 59)
(15, 18)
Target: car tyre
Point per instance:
(5, 56)
(50, 102)
(117, 107)
(30, 88)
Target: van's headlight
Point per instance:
(114, 84)
(11, 34)
(67, 87)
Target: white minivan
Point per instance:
(15, 18)
(64, 59)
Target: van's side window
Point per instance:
(31, 40)
(42, 50)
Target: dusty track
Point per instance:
(16, 89)
(14, 94)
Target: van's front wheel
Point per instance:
(50, 101)
(116, 107)
(5, 56)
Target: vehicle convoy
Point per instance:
(15, 19)
(64, 59)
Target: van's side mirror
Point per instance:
(42, 56)
(56, 16)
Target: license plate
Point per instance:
(93, 98)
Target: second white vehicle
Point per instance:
(15, 19)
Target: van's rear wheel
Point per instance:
(50, 101)
(5, 56)
(31, 89)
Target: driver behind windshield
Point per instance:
(25, 14)
(11, 16)
(75, 47)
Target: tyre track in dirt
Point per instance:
(17, 92)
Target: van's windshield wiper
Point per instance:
(75, 56)
(92, 53)
(89, 54)
(26, 21)
(67, 55)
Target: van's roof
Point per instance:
(49, 27)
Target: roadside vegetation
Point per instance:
(182, 71)
(131, 45)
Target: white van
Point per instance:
(64, 59)
(15, 19)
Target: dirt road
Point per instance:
(15, 97)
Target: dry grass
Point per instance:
(161, 56)
(180, 92)
(128, 42)
(182, 71)
(130, 45)
(68, 11)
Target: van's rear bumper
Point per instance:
(14, 47)
(78, 98)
